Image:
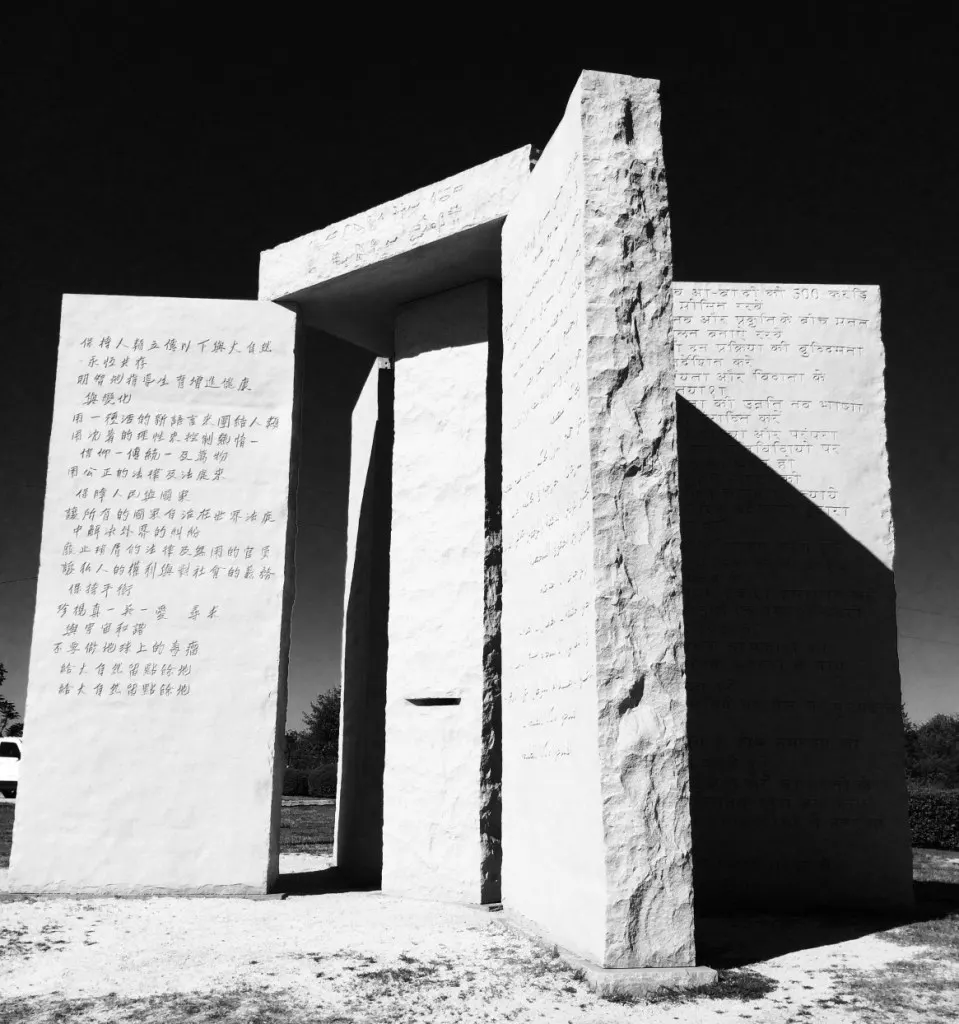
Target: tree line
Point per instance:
(932, 751)
(10, 723)
(317, 743)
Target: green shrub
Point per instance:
(295, 782)
(934, 817)
(322, 781)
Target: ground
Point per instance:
(341, 957)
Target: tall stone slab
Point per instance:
(358, 840)
(596, 826)
(157, 688)
(441, 784)
(793, 676)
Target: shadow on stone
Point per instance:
(798, 801)
(797, 782)
(359, 825)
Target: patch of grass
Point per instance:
(307, 828)
(941, 934)
(243, 1003)
(735, 983)
(6, 832)
(408, 974)
(935, 865)
(916, 986)
(11, 942)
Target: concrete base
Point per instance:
(615, 981)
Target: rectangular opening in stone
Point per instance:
(433, 702)
(430, 260)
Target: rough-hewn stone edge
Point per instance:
(640, 654)
(905, 896)
(491, 747)
(286, 614)
(487, 191)
(885, 511)
(612, 981)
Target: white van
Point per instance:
(10, 754)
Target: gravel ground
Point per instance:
(352, 957)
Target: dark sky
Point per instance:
(159, 157)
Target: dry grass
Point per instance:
(925, 984)
(6, 832)
(920, 986)
(737, 983)
(935, 865)
(244, 1003)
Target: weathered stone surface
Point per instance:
(436, 685)
(793, 677)
(358, 843)
(614, 982)
(463, 201)
(349, 278)
(596, 828)
(158, 665)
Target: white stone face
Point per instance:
(790, 602)
(431, 826)
(794, 373)
(456, 204)
(596, 833)
(157, 671)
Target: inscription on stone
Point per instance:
(594, 765)
(160, 593)
(792, 671)
(160, 439)
(547, 497)
(790, 373)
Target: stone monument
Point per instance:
(596, 829)
(158, 667)
(618, 579)
(789, 601)
(416, 282)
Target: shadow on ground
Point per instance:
(741, 940)
(321, 882)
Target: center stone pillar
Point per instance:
(596, 824)
(441, 783)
